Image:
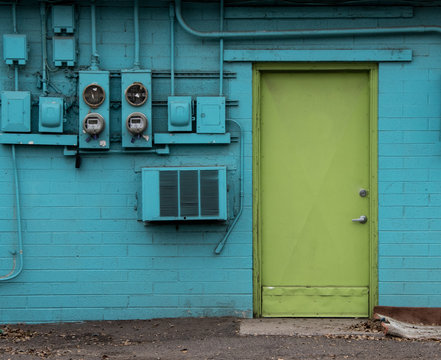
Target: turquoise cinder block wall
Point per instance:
(85, 255)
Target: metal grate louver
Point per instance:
(184, 193)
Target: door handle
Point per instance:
(362, 219)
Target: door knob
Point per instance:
(362, 219)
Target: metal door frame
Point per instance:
(372, 68)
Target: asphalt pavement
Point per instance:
(211, 338)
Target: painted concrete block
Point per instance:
(83, 220)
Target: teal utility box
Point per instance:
(16, 111)
(15, 49)
(63, 19)
(136, 109)
(51, 114)
(179, 113)
(210, 117)
(64, 52)
(184, 193)
(94, 112)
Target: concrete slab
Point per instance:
(309, 327)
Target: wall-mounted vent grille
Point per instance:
(184, 194)
(189, 189)
(168, 193)
(209, 193)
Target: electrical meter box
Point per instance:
(15, 49)
(184, 193)
(51, 115)
(63, 19)
(94, 112)
(16, 111)
(179, 113)
(136, 108)
(64, 52)
(210, 117)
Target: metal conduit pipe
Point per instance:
(302, 33)
(136, 31)
(221, 244)
(160, 151)
(14, 271)
(43, 46)
(172, 49)
(95, 57)
(16, 77)
(14, 17)
(14, 26)
(221, 50)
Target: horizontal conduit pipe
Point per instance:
(303, 33)
(160, 151)
(15, 272)
(222, 243)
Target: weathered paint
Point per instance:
(315, 301)
(86, 257)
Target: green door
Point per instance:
(314, 165)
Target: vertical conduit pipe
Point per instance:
(221, 50)
(172, 49)
(43, 46)
(15, 272)
(222, 243)
(94, 58)
(14, 25)
(136, 31)
(16, 77)
(14, 17)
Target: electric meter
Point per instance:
(136, 123)
(94, 95)
(136, 94)
(93, 124)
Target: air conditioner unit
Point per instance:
(184, 193)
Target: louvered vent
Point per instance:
(168, 193)
(184, 194)
(209, 193)
(189, 192)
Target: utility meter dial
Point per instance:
(136, 94)
(136, 123)
(93, 124)
(94, 95)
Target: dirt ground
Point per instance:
(200, 338)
